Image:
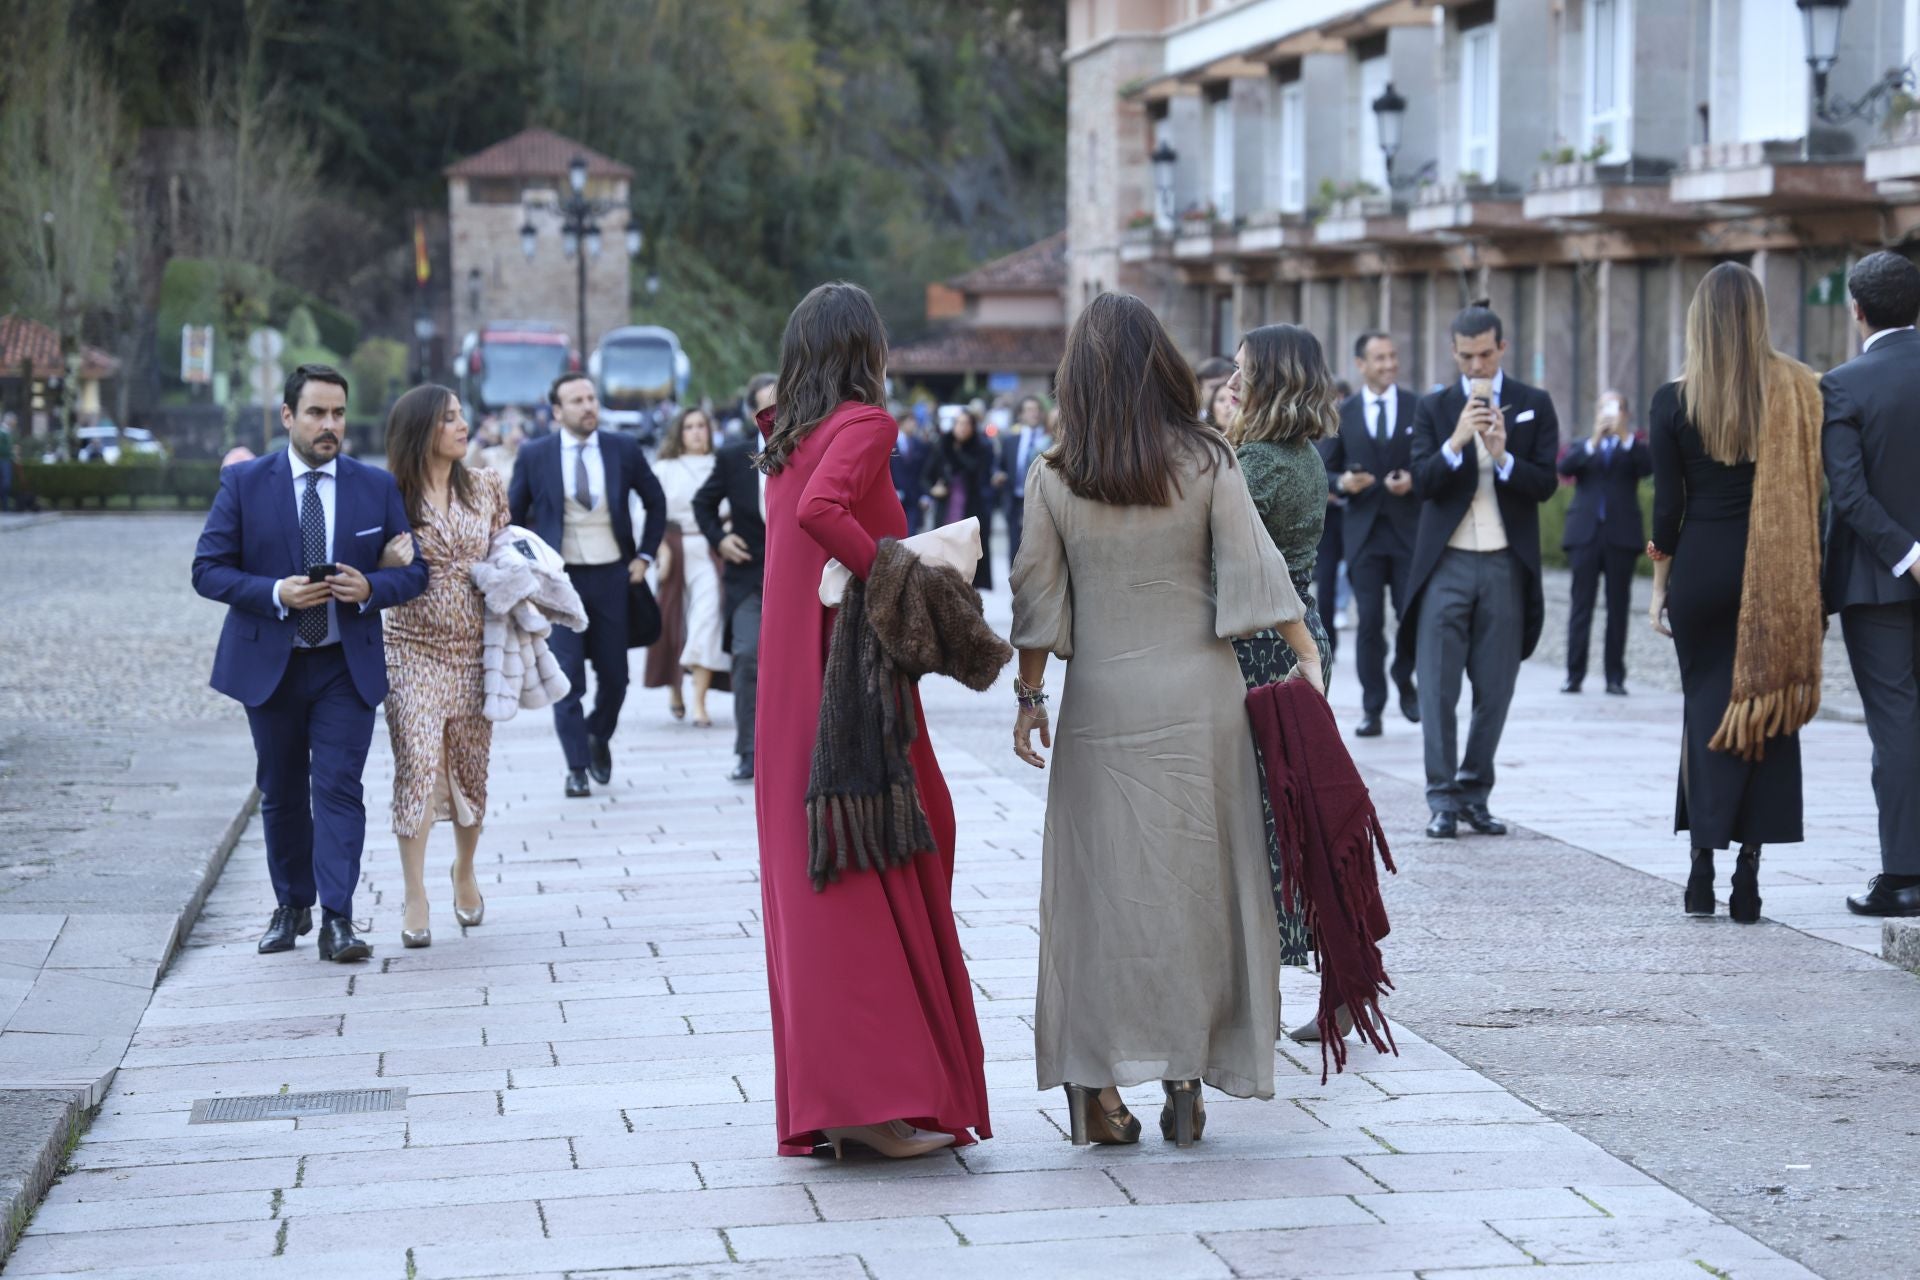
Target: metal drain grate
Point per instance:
(296, 1106)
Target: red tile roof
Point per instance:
(22, 340)
(535, 153)
(1038, 268)
(985, 350)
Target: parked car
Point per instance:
(115, 440)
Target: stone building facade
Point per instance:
(491, 195)
(1582, 163)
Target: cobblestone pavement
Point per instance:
(589, 1085)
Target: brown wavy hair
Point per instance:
(1129, 408)
(675, 444)
(1729, 353)
(1286, 389)
(834, 350)
(411, 426)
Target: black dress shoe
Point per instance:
(577, 784)
(1480, 820)
(1888, 895)
(1616, 688)
(286, 924)
(1369, 727)
(1443, 827)
(1410, 702)
(600, 759)
(339, 942)
(1571, 686)
(742, 770)
(1698, 898)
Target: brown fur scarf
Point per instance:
(1776, 656)
(909, 619)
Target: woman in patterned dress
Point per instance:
(698, 644)
(440, 738)
(1283, 400)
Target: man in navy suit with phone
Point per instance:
(292, 548)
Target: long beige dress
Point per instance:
(1159, 958)
(441, 740)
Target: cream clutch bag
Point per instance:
(956, 545)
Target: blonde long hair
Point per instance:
(1729, 353)
(1286, 390)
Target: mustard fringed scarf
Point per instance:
(1776, 658)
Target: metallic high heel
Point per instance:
(895, 1139)
(467, 916)
(414, 937)
(1091, 1122)
(1184, 1118)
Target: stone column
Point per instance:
(1617, 331)
(1554, 334)
(1781, 277)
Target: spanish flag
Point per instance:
(422, 269)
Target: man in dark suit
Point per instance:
(1604, 536)
(907, 465)
(292, 548)
(741, 541)
(1368, 463)
(1483, 462)
(1870, 445)
(571, 488)
(1014, 453)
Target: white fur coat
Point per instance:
(526, 591)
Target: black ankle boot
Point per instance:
(1743, 904)
(1698, 898)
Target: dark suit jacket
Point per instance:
(1355, 449)
(907, 463)
(1870, 445)
(537, 495)
(252, 540)
(1616, 486)
(1533, 440)
(736, 482)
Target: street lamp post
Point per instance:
(1389, 114)
(1163, 159)
(1820, 24)
(579, 234)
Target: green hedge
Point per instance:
(77, 483)
(1553, 523)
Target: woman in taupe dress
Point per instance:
(1158, 952)
(440, 738)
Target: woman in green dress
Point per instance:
(1284, 400)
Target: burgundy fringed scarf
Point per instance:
(1328, 832)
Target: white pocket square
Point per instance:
(378, 528)
(1525, 417)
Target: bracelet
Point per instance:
(1032, 697)
(1655, 554)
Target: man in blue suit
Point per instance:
(1603, 536)
(292, 548)
(572, 488)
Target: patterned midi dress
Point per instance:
(440, 738)
(1289, 487)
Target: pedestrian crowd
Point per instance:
(1178, 539)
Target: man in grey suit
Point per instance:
(1871, 447)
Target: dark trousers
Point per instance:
(6, 485)
(745, 624)
(1326, 580)
(1016, 517)
(1883, 646)
(1590, 563)
(1472, 614)
(310, 743)
(603, 590)
(1384, 566)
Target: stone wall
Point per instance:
(487, 237)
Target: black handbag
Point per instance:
(643, 616)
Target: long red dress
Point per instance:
(872, 1007)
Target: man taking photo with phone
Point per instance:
(1604, 536)
(292, 548)
(1483, 454)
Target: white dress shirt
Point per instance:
(1912, 557)
(1504, 469)
(1380, 410)
(329, 481)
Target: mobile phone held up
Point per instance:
(320, 572)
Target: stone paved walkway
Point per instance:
(590, 1077)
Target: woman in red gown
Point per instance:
(874, 1036)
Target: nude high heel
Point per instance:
(896, 1139)
(468, 916)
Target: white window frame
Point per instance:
(1375, 75)
(1480, 146)
(1608, 79)
(1220, 148)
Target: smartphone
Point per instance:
(320, 572)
